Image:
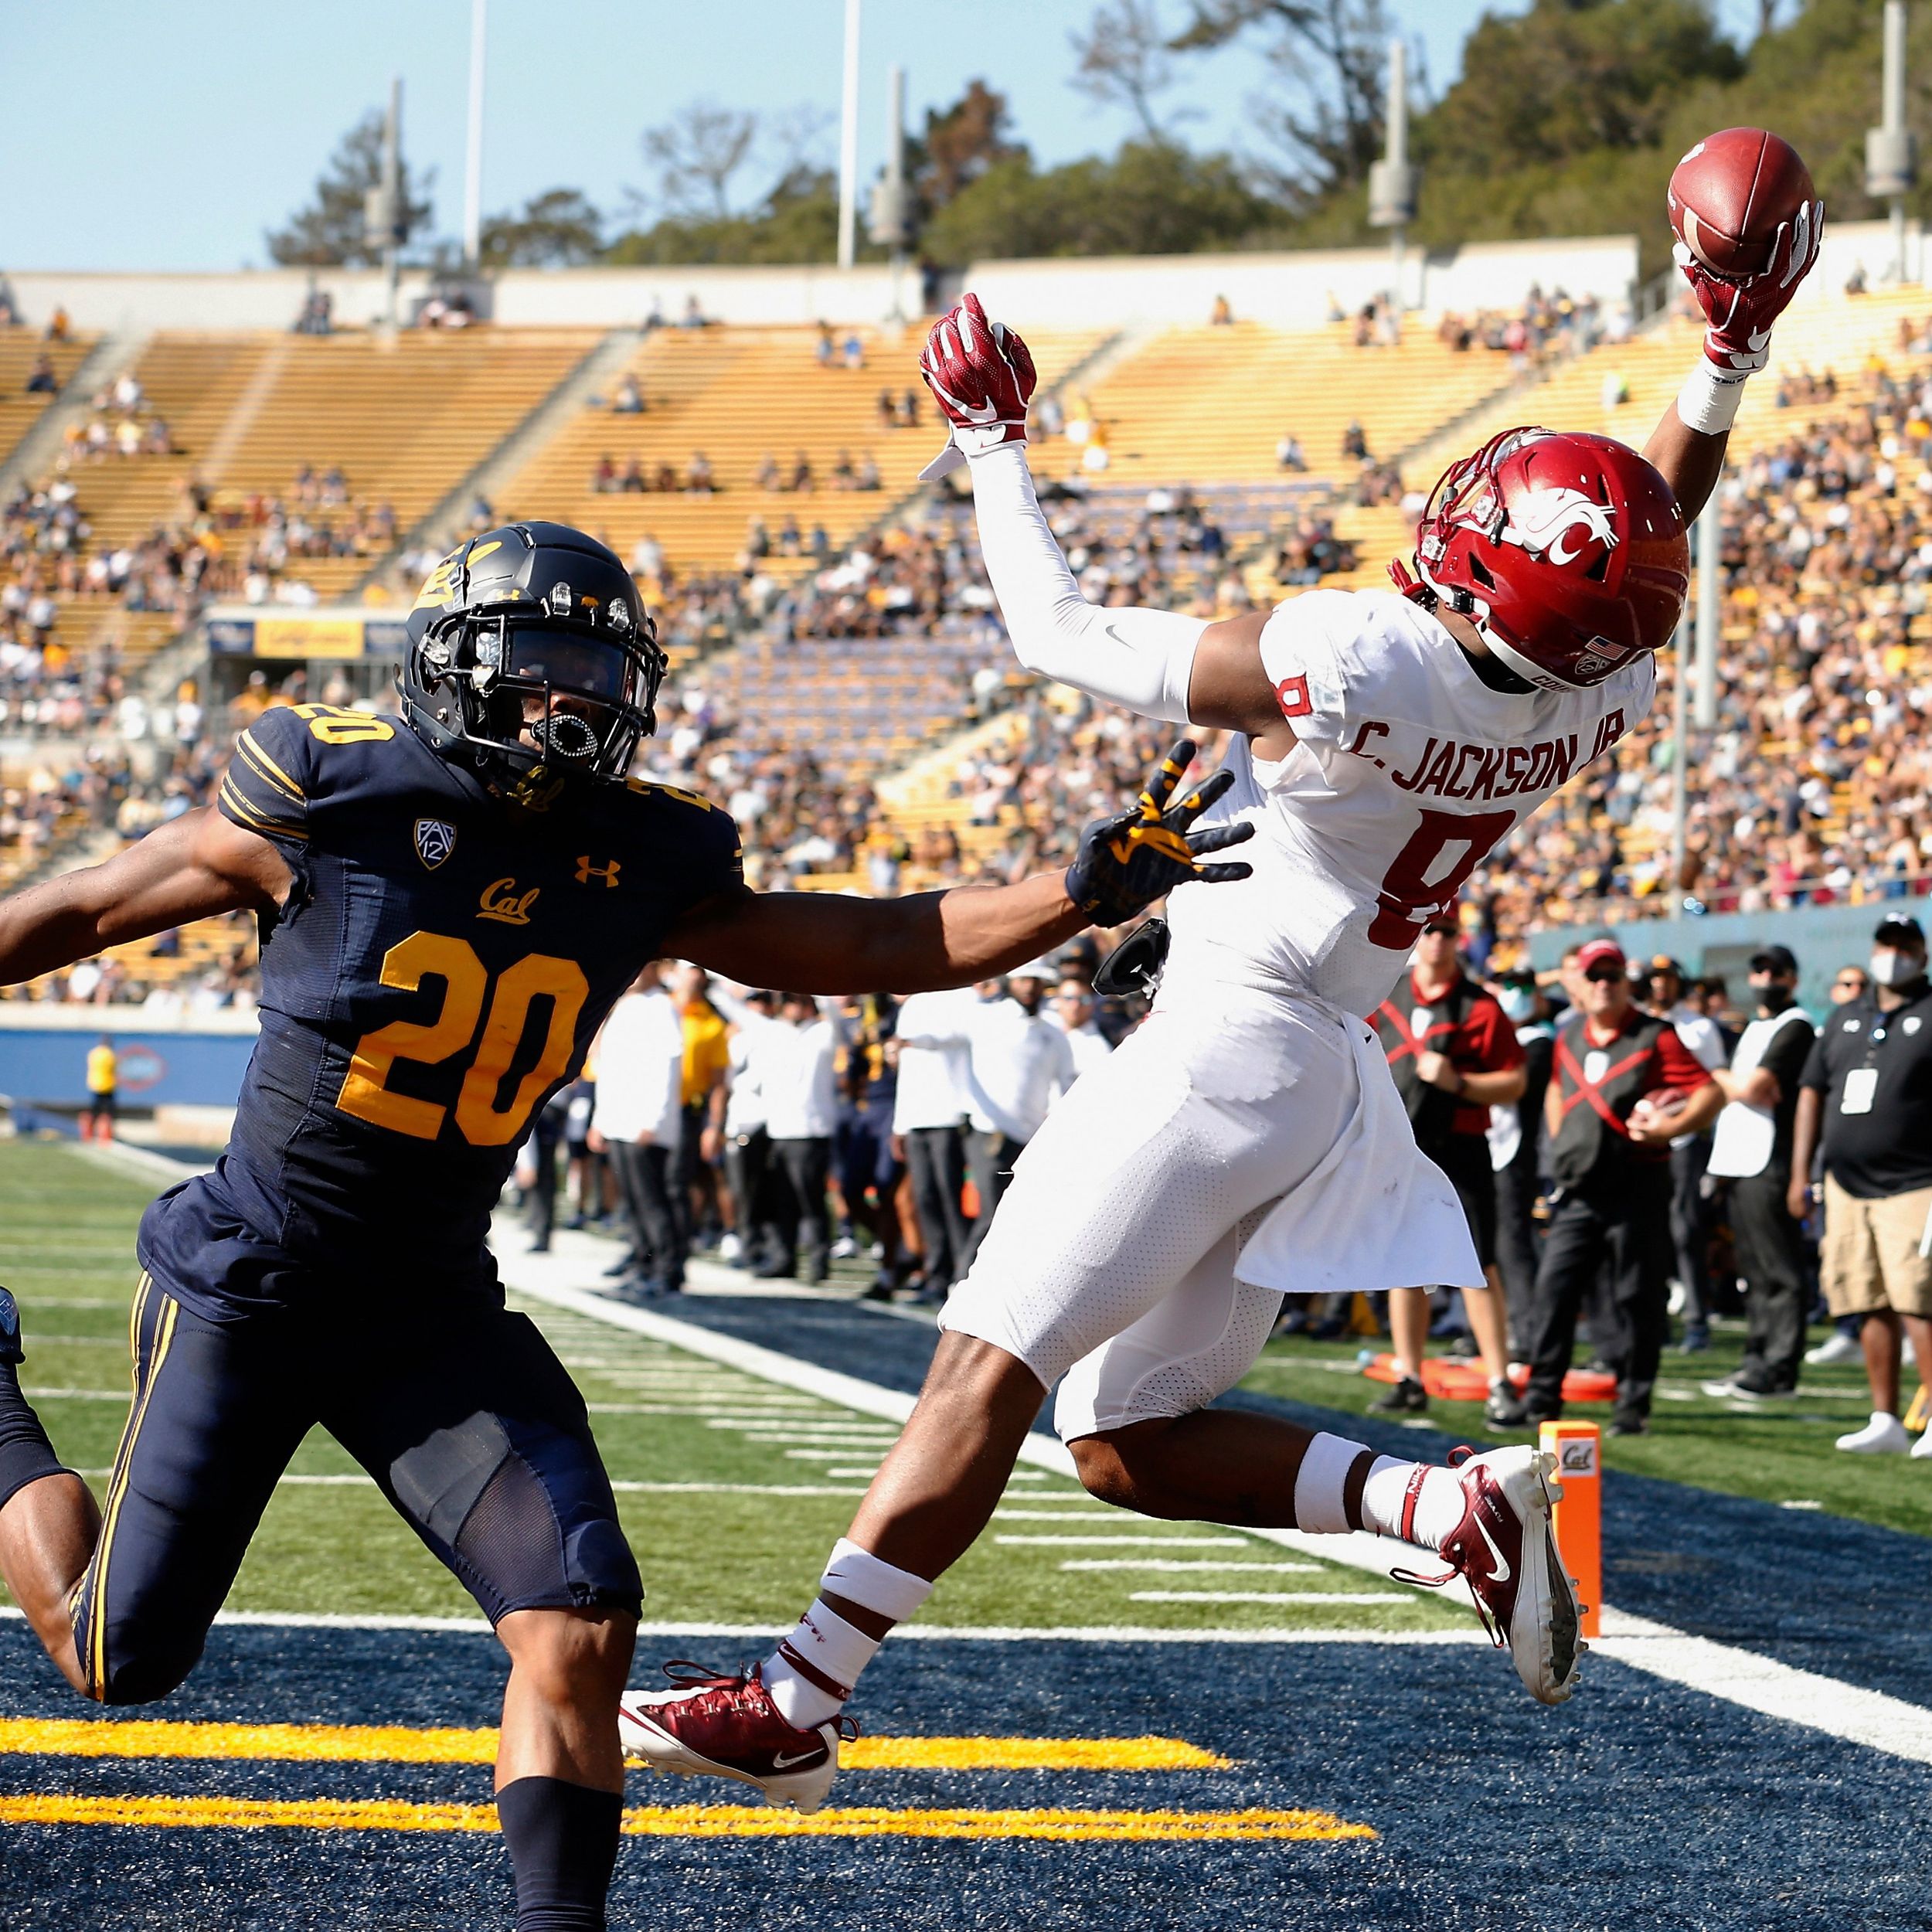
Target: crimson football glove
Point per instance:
(1125, 863)
(981, 375)
(1739, 315)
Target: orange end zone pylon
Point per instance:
(1579, 1450)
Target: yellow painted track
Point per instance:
(682, 1821)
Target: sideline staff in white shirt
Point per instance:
(929, 1120)
(640, 1092)
(1074, 1006)
(1017, 1060)
(802, 1109)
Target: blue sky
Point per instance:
(144, 135)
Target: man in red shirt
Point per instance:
(1623, 1085)
(1454, 1055)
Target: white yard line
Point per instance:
(1168, 1565)
(1108, 1538)
(913, 1633)
(1268, 1597)
(1742, 1677)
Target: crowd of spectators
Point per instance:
(1814, 787)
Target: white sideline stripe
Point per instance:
(848, 1392)
(1741, 1677)
(933, 1633)
(1773, 1689)
(698, 1411)
(1102, 1514)
(626, 1488)
(843, 1453)
(79, 1395)
(1159, 1542)
(868, 1471)
(799, 1431)
(1168, 1565)
(1267, 1597)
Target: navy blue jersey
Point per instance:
(439, 972)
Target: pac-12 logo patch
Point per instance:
(435, 840)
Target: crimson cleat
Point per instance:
(711, 1726)
(1505, 1550)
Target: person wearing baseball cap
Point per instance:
(1623, 1084)
(1690, 1210)
(1866, 1094)
(1751, 1153)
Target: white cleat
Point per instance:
(707, 1726)
(1884, 1435)
(1505, 1550)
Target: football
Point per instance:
(1729, 194)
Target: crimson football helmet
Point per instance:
(1567, 552)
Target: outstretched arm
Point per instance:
(1687, 447)
(826, 943)
(1160, 663)
(192, 867)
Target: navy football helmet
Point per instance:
(531, 656)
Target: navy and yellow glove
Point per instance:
(1126, 863)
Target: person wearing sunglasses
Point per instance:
(1624, 1085)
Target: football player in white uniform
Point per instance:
(1247, 1140)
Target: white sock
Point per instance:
(1439, 1503)
(822, 1646)
(811, 1674)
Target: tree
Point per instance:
(558, 229)
(697, 154)
(1124, 60)
(1330, 56)
(960, 143)
(797, 222)
(328, 233)
(1570, 77)
(1152, 198)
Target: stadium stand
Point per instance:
(801, 681)
(28, 358)
(734, 398)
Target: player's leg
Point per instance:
(219, 1410)
(476, 1434)
(1408, 1342)
(1135, 1414)
(1640, 1252)
(49, 1524)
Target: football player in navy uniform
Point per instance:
(451, 901)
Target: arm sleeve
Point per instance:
(269, 786)
(1143, 659)
(1300, 655)
(1816, 1073)
(1679, 1068)
(1492, 1044)
(1789, 1055)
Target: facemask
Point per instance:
(1774, 999)
(1891, 967)
(1518, 1003)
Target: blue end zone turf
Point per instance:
(1637, 1806)
(1817, 1591)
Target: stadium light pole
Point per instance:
(1891, 150)
(1709, 609)
(1392, 181)
(473, 158)
(1679, 794)
(849, 141)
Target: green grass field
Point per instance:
(732, 1490)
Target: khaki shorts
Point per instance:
(1870, 1260)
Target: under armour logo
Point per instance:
(502, 902)
(587, 872)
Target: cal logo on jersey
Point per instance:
(435, 840)
(504, 903)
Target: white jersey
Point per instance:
(1408, 771)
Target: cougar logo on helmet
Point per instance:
(1542, 522)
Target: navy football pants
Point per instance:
(457, 1407)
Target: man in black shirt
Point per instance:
(1868, 1084)
(1752, 1150)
